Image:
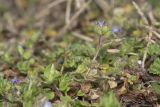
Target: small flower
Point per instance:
(139, 62)
(15, 80)
(47, 104)
(101, 23)
(116, 29)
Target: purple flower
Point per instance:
(47, 104)
(116, 29)
(101, 23)
(15, 80)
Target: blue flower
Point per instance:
(15, 80)
(47, 104)
(116, 29)
(101, 23)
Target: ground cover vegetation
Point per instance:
(79, 53)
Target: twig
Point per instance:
(156, 33)
(58, 92)
(46, 11)
(103, 5)
(153, 31)
(140, 12)
(10, 22)
(74, 17)
(83, 37)
(146, 50)
(152, 18)
(68, 11)
(113, 50)
(150, 33)
(98, 49)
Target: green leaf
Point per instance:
(4, 84)
(105, 30)
(65, 100)
(156, 88)
(81, 68)
(30, 92)
(132, 79)
(155, 67)
(64, 83)
(155, 3)
(80, 93)
(20, 50)
(27, 54)
(23, 66)
(8, 58)
(154, 49)
(50, 95)
(110, 100)
(50, 74)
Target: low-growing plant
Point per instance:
(109, 100)
(155, 67)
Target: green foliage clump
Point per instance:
(156, 87)
(50, 74)
(79, 54)
(30, 92)
(131, 45)
(110, 100)
(82, 50)
(64, 83)
(155, 67)
(105, 30)
(24, 66)
(155, 3)
(8, 58)
(154, 49)
(4, 85)
(25, 54)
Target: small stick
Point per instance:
(83, 37)
(98, 49)
(154, 32)
(74, 17)
(103, 5)
(68, 11)
(150, 32)
(140, 12)
(157, 34)
(146, 50)
(46, 11)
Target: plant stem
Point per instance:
(98, 49)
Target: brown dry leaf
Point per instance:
(122, 90)
(10, 73)
(112, 84)
(85, 87)
(94, 94)
(74, 87)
